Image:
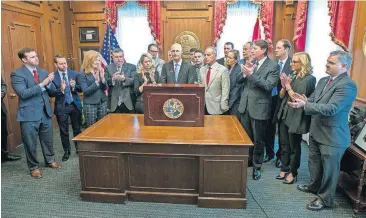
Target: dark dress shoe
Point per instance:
(305, 188)
(37, 174)
(66, 156)
(268, 158)
(279, 177)
(257, 174)
(10, 157)
(315, 205)
(289, 182)
(278, 163)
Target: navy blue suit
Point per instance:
(63, 110)
(34, 114)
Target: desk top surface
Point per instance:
(130, 128)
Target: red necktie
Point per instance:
(35, 75)
(329, 81)
(208, 76)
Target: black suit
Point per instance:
(187, 74)
(63, 110)
(236, 89)
(4, 129)
(221, 61)
(271, 128)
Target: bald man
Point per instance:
(177, 71)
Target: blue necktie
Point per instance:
(275, 90)
(281, 66)
(176, 72)
(67, 91)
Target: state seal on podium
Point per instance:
(173, 108)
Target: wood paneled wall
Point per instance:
(35, 24)
(358, 71)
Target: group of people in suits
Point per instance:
(262, 93)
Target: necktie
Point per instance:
(176, 72)
(35, 75)
(67, 90)
(329, 81)
(281, 65)
(208, 76)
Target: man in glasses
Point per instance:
(158, 63)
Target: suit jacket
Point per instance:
(295, 118)
(236, 88)
(329, 108)
(138, 81)
(3, 93)
(221, 61)
(186, 74)
(60, 97)
(32, 99)
(217, 90)
(93, 93)
(257, 94)
(120, 88)
(159, 66)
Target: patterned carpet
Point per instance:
(57, 195)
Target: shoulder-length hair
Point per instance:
(89, 58)
(140, 68)
(305, 61)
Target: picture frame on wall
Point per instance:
(361, 139)
(82, 50)
(88, 34)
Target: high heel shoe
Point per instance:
(279, 177)
(285, 181)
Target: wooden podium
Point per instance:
(174, 105)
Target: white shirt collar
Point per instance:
(283, 61)
(30, 68)
(260, 62)
(60, 72)
(179, 63)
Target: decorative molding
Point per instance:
(13, 24)
(21, 11)
(35, 3)
(207, 18)
(192, 6)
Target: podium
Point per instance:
(174, 105)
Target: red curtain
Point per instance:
(256, 31)
(300, 25)
(267, 17)
(153, 8)
(220, 12)
(341, 14)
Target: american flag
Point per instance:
(109, 43)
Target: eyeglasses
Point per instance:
(295, 62)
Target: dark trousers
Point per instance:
(234, 109)
(271, 130)
(291, 149)
(256, 132)
(63, 122)
(324, 166)
(43, 129)
(4, 136)
(123, 109)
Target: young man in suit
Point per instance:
(328, 106)
(5, 156)
(255, 103)
(282, 50)
(158, 63)
(120, 76)
(228, 46)
(199, 56)
(32, 84)
(215, 77)
(177, 71)
(67, 102)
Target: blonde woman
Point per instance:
(292, 121)
(145, 75)
(93, 85)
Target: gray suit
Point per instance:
(186, 73)
(119, 88)
(158, 65)
(34, 114)
(217, 90)
(255, 106)
(329, 133)
(236, 90)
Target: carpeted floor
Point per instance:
(57, 195)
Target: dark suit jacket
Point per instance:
(120, 88)
(329, 110)
(60, 97)
(221, 61)
(236, 88)
(3, 93)
(295, 118)
(30, 94)
(186, 74)
(257, 94)
(93, 93)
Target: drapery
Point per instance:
(267, 18)
(153, 8)
(235, 30)
(133, 32)
(220, 12)
(341, 14)
(300, 25)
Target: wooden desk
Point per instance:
(121, 159)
